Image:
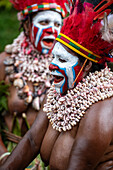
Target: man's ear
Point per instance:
(88, 66)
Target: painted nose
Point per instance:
(53, 67)
(50, 30)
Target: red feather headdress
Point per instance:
(82, 34)
(29, 6)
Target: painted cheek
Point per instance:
(34, 32)
(65, 85)
(37, 38)
(34, 38)
(77, 69)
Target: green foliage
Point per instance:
(9, 27)
(15, 130)
(6, 4)
(11, 146)
(16, 126)
(3, 96)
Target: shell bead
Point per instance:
(69, 109)
(18, 83)
(26, 64)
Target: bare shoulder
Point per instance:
(94, 135)
(103, 109)
(98, 118)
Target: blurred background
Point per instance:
(9, 25)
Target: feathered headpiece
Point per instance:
(83, 34)
(29, 6)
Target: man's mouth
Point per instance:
(57, 79)
(48, 42)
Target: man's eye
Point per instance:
(57, 24)
(46, 22)
(62, 60)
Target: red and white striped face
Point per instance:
(64, 68)
(46, 26)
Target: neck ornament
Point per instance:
(64, 112)
(24, 65)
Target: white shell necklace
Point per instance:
(24, 65)
(65, 111)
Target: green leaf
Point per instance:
(3, 96)
(3, 88)
(11, 146)
(3, 101)
(16, 127)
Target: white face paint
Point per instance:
(46, 26)
(63, 68)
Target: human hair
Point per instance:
(24, 24)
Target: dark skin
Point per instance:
(84, 147)
(15, 104)
(87, 146)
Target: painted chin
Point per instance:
(47, 43)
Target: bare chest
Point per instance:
(106, 162)
(56, 147)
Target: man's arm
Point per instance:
(2, 66)
(29, 146)
(93, 137)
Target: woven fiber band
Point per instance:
(43, 6)
(78, 48)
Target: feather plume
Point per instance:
(81, 28)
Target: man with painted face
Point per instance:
(24, 64)
(75, 131)
(64, 68)
(45, 28)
